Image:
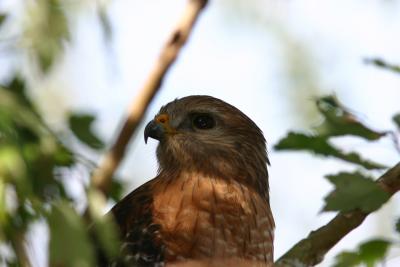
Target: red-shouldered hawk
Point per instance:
(209, 204)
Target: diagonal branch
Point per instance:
(102, 176)
(381, 63)
(311, 250)
(19, 244)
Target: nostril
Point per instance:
(163, 118)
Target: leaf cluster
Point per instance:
(368, 254)
(35, 162)
(32, 187)
(352, 190)
(337, 121)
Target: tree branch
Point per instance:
(311, 250)
(102, 176)
(18, 242)
(381, 63)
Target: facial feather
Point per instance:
(235, 147)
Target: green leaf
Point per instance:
(368, 253)
(17, 88)
(104, 230)
(3, 207)
(398, 225)
(396, 119)
(299, 141)
(63, 157)
(69, 242)
(347, 259)
(2, 18)
(354, 191)
(383, 64)
(80, 125)
(373, 251)
(13, 169)
(47, 31)
(320, 146)
(340, 121)
(116, 189)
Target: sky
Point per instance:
(268, 58)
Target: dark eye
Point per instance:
(203, 121)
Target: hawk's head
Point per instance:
(205, 134)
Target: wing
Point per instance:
(141, 241)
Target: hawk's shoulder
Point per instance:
(140, 236)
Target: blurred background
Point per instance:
(269, 58)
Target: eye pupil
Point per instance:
(203, 122)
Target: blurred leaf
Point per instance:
(339, 121)
(105, 22)
(13, 169)
(3, 206)
(63, 157)
(37, 149)
(116, 190)
(2, 18)
(17, 86)
(104, 230)
(354, 191)
(369, 253)
(347, 259)
(31, 157)
(11, 162)
(46, 31)
(381, 63)
(69, 242)
(80, 125)
(16, 115)
(374, 251)
(396, 119)
(398, 225)
(299, 141)
(320, 146)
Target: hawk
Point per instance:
(209, 203)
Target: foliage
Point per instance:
(352, 190)
(383, 64)
(368, 253)
(46, 31)
(80, 125)
(2, 18)
(31, 157)
(67, 230)
(396, 120)
(320, 145)
(338, 121)
(33, 160)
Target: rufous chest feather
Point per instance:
(208, 217)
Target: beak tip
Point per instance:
(153, 130)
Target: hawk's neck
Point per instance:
(206, 217)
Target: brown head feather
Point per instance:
(234, 147)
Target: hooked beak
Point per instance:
(154, 130)
(158, 128)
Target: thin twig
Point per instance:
(102, 176)
(381, 63)
(18, 242)
(311, 250)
